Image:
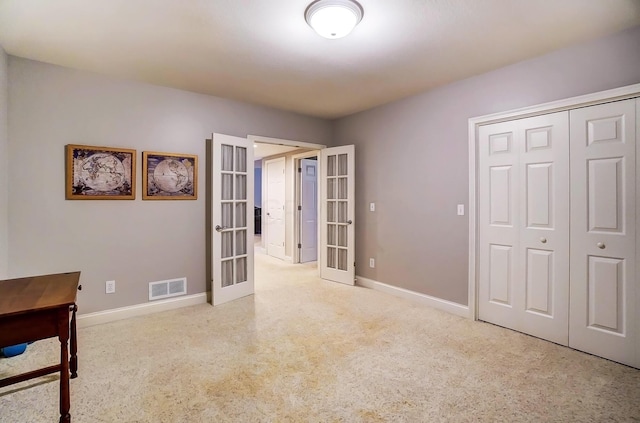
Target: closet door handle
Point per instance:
(543, 240)
(220, 228)
(600, 245)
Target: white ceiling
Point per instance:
(263, 52)
(262, 150)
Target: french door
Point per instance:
(337, 214)
(232, 218)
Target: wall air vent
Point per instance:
(168, 288)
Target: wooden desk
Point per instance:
(36, 308)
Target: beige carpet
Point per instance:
(304, 350)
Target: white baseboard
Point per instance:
(440, 304)
(106, 316)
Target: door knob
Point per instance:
(349, 222)
(220, 228)
(543, 240)
(600, 245)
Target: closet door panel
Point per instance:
(540, 282)
(605, 194)
(498, 212)
(523, 224)
(544, 233)
(500, 274)
(539, 189)
(604, 285)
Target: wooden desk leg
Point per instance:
(63, 336)
(74, 344)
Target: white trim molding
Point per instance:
(616, 94)
(291, 143)
(438, 303)
(106, 316)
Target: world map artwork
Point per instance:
(101, 172)
(169, 176)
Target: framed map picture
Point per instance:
(169, 176)
(100, 173)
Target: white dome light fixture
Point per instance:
(333, 18)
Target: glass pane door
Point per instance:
(337, 233)
(232, 236)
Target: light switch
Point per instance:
(372, 206)
(460, 209)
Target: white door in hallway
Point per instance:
(605, 288)
(308, 210)
(232, 218)
(524, 225)
(337, 214)
(274, 201)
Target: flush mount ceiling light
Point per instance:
(333, 18)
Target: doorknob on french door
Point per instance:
(600, 245)
(543, 240)
(349, 222)
(220, 228)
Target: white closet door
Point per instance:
(604, 283)
(524, 218)
(499, 222)
(544, 230)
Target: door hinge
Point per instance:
(299, 207)
(299, 245)
(299, 170)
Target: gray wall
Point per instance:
(133, 242)
(257, 184)
(412, 159)
(4, 161)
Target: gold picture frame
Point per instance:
(100, 173)
(169, 176)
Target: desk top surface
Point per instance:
(22, 295)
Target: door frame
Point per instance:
(622, 93)
(290, 208)
(297, 199)
(265, 197)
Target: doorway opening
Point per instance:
(286, 199)
(230, 228)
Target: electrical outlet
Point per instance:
(460, 209)
(372, 263)
(110, 287)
